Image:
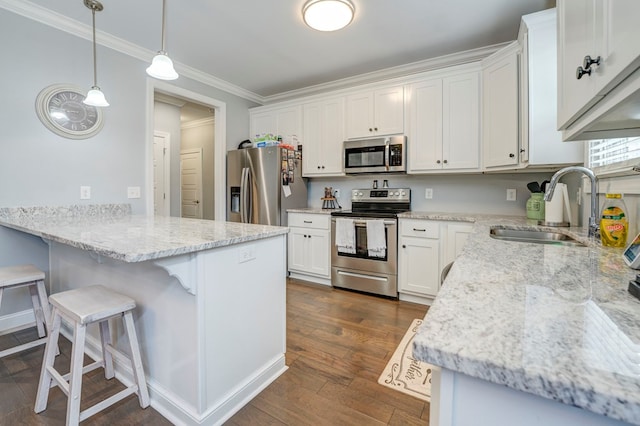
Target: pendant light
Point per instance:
(95, 97)
(328, 15)
(161, 66)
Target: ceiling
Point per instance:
(264, 47)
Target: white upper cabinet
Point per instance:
(500, 108)
(323, 136)
(375, 113)
(606, 96)
(285, 122)
(541, 144)
(443, 123)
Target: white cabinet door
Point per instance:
(389, 111)
(284, 122)
(323, 137)
(579, 29)
(296, 248)
(360, 115)
(375, 113)
(500, 112)
(318, 250)
(419, 266)
(425, 125)
(604, 28)
(461, 122)
(456, 237)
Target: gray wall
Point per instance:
(475, 193)
(38, 167)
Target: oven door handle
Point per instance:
(364, 222)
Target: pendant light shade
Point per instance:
(95, 97)
(328, 15)
(162, 66)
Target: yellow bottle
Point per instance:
(613, 223)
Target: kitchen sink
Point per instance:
(534, 236)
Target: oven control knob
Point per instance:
(403, 193)
(359, 194)
(396, 193)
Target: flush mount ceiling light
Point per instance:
(328, 15)
(95, 97)
(162, 66)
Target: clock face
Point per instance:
(61, 110)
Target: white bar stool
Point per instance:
(32, 277)
(81, 307)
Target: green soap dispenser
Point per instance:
(535, 206)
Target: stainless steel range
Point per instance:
(360, 270)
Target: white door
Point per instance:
(161, 152)
(191, 182)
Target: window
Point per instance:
(609, 154)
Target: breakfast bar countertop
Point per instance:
(551, 320)
(111, 230)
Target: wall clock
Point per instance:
(61, 110)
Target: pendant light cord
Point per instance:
(95, 67)
(164, 22)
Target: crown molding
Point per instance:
(458, 58)
(63, 23)
(198, 123)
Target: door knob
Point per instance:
(588, 61)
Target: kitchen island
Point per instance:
(210, 298)
(532, 334)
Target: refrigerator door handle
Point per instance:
(244, 189)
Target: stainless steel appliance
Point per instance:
(262, 183)
(379, 155)
(359, 271)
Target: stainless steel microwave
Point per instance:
(380, 155)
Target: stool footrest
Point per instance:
(58, 380)
(23, 347)
(119, 356)
(108, 402)
(87, 368)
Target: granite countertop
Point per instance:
(111, 231)
(554, 321)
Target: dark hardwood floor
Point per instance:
(338, 343)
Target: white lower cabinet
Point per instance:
(309, 247)
(425, 247)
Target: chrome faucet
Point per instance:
(593, 224)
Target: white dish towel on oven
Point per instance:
(376, 240)
(345, 236)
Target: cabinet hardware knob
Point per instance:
(445, 161)
(581, 71)
(512, 155)
(438, 162)
(522, 150)
(318, 167)
(588, 61)
(370, 129)
(323, 167)
(375, 128)
(419, 230)
(404, 246)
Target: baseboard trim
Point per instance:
(310, 278)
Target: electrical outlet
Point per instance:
(85, 192)
(133, 192)
(511, 195)
(428, 193)
(246, 253)
(336, 193)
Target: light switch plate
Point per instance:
(246, 253)
(133, 192)
(428, 193)
(85, 192)
(511, 195)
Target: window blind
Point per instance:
(604, 152)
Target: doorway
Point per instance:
(204, 116)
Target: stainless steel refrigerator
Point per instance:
(262, 183)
